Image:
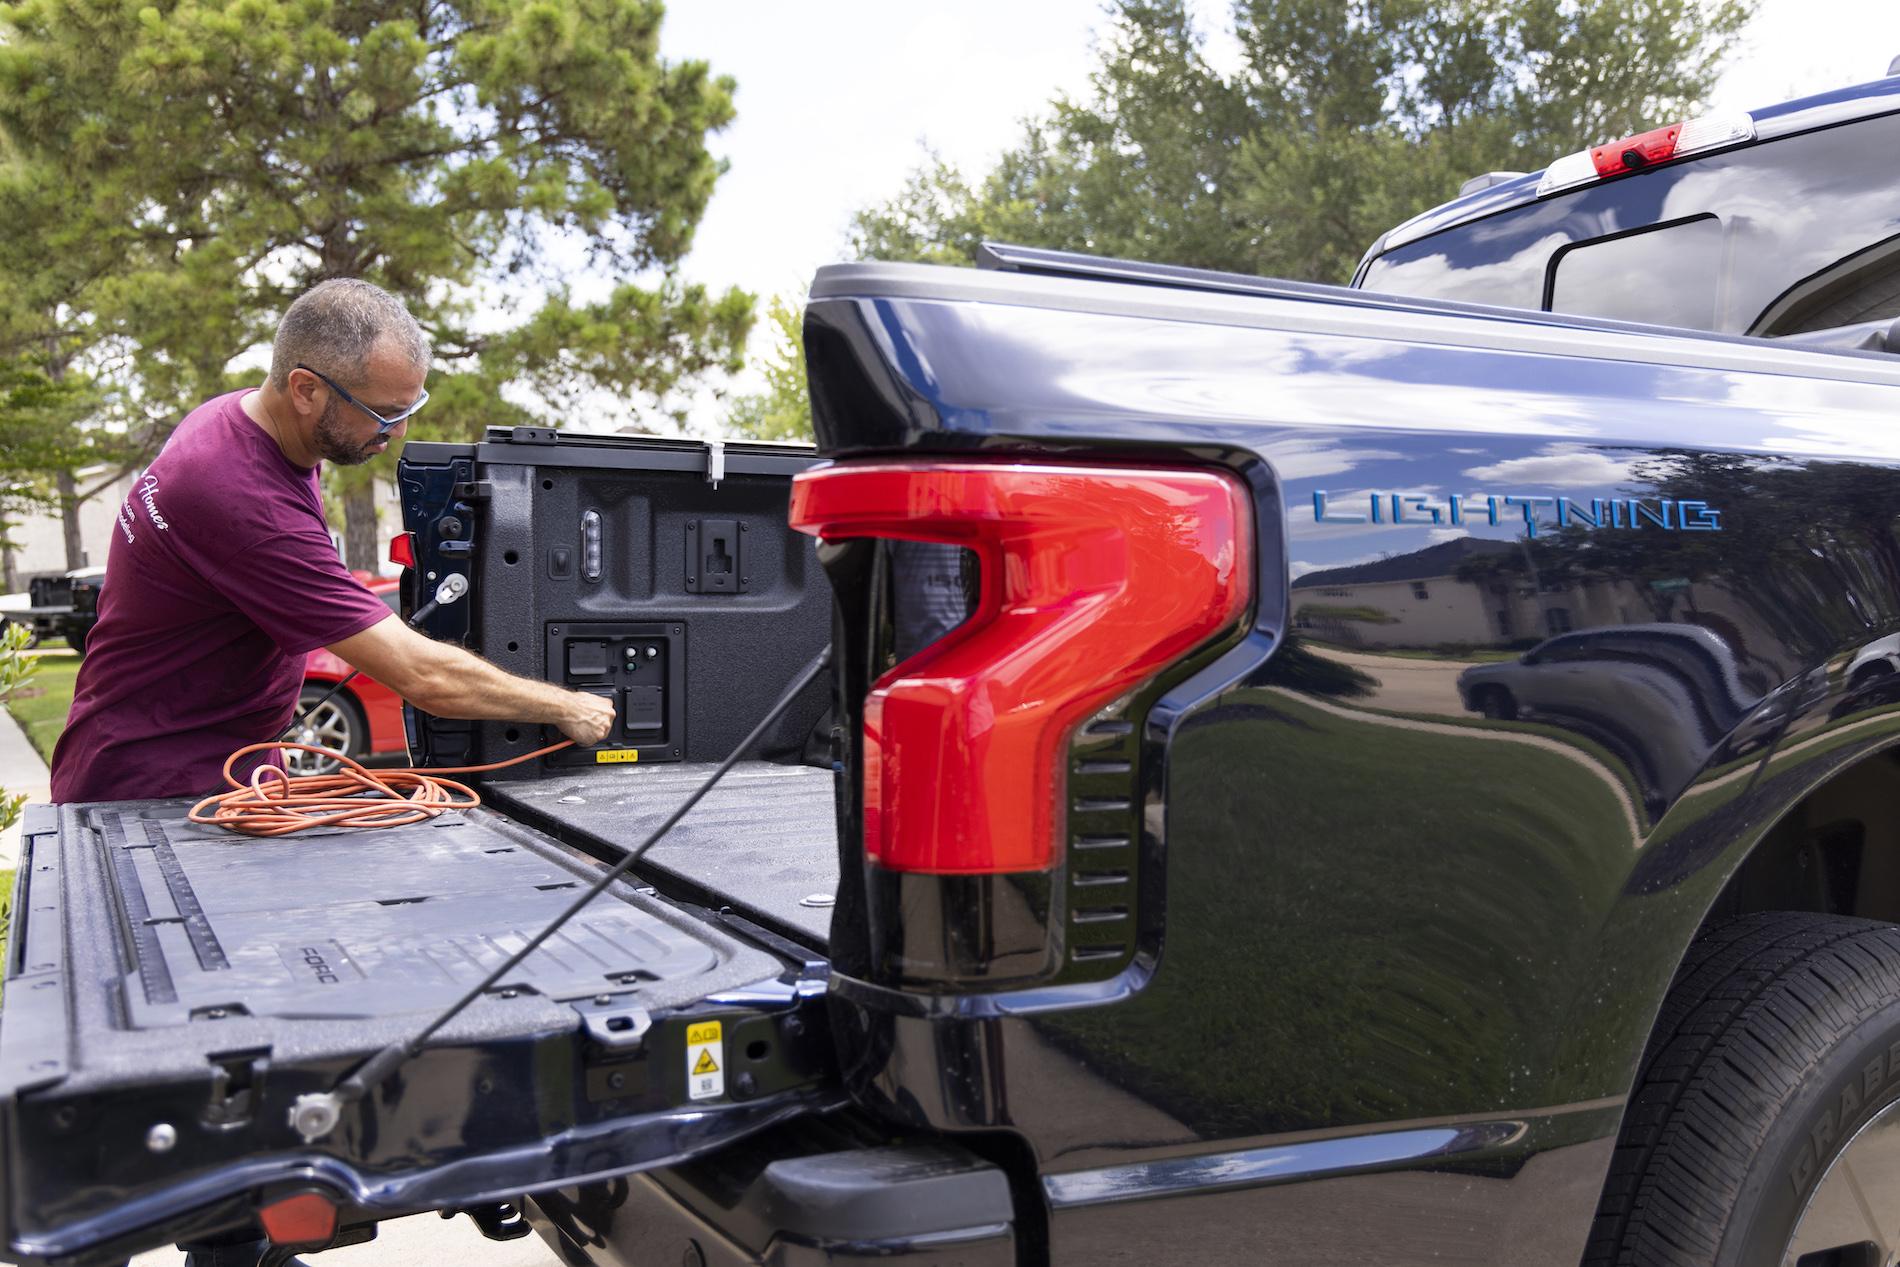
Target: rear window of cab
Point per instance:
(1787, 236)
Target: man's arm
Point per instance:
(443, 679)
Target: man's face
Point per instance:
(345, 434)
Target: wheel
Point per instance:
(337, 725)
(1872, 686)
(1496, 703)
(1874, 673)
(76, 637)
(1764, 1130)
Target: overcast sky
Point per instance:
(837, 99)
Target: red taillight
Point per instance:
(305, 1219)
(1635, 153)
(402, 549)
(1093, 579)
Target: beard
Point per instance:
(333, 441)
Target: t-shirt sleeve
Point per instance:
(296, 589)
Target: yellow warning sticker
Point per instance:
(608, 756)
(705, 1071)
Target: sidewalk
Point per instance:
(21, 770)
(422, 1240)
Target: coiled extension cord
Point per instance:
(277, 803)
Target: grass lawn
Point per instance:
(6, 909)
(1469, 655)
(41, 705)
(1460, 652)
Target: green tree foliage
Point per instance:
(40, 435)
(35, 434)
(50, 420)
(783, 410)
(199, 164)
(15, 668)
(1347, 117)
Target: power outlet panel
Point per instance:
(642, 669)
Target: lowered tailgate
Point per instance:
(171, 990)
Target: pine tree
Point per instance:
(783, 410)
(1346, 117)
(195, 166)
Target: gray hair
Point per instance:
(334, 325)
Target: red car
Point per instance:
(364, 719)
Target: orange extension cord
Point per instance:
(277, 803)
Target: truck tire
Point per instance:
(1764, 1127)
(1496, 703)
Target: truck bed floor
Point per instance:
(349, 923)
(763, 841)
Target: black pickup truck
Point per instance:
(62, 606)
(1307, 775)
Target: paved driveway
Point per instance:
(1406, 685)
(21, 770)
(425, 1240)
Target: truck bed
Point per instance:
(764, 841)
(177, 922)
(163, 974)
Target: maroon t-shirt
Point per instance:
(221, 579)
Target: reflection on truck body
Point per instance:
(1661, 696)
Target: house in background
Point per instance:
(39, 540)
(1418, 600)
(1453, 595)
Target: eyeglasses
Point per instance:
(383, 425)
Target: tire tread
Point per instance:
(1757, 1003)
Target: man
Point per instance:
(224, 577)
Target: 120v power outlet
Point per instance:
(642, 669)
(644, 716)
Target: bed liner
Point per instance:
(764, 841)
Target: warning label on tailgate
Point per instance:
(705, 1062)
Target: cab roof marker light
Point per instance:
(1645, 149)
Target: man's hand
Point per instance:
(593, 719)
(443, 679)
